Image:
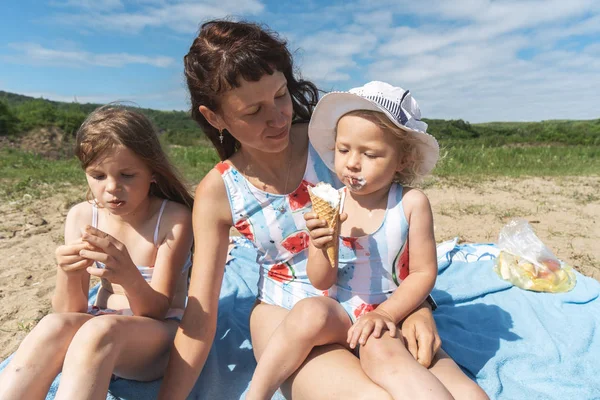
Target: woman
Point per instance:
(246, 99)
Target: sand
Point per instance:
(565, 213)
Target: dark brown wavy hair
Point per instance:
(114, 125)
(225, 52)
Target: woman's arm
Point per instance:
(212, 222)
(72, 280)
(420, 334)
(422, 259)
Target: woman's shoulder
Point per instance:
(211, 195)
(212, 185)
(211, 203)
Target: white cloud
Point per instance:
(329, 53)
(339, 44)
(179, 16)
(378, 21)
(326, 70)
(553, 85)
(505, 12)
(99, 5)
(463, 59)
(33, 53)
(460, 59)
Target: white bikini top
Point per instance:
(146, 271)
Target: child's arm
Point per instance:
(72, 280)
(212, 222)
(172, 255)
(152, 300)
(421, 278)
(319, 270)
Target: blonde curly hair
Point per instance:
(408, 146)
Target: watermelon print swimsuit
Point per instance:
(372, 266)
(275, 225)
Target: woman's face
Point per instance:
(259, 114)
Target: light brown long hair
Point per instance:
(225, 52)
(114, 125)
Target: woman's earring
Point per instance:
(221, 136)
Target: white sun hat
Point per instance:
(396, 103)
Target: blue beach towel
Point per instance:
(516, 344)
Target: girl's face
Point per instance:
(120, 181)
(258, 114)
(366, 157)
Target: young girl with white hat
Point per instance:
(373, 139)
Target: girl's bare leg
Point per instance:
(314, 321)
(329, 372)
(40, 357)
(130, 347)
(389, 364)
(455, 380)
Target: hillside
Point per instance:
(20, 114)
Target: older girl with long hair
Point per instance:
(135, 234)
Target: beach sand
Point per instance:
(564, 212)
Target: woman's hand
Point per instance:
(421, 335)
(68, 256)
(371, 323)
(112, 253)
(320, 234)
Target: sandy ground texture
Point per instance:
(565, 213)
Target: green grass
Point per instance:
(471, 160)
(194, 162)
(23, 173)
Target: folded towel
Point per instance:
(517, 344)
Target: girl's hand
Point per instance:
(371, 323)
(68, 256)
(421, 336)
(112, 253)
(320, 234)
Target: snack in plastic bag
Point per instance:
(527, 263)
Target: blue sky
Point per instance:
(479, 60)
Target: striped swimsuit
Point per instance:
(372, 266)
(275, 225)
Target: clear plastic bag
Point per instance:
(527, 263)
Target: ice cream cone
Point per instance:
(332, 215)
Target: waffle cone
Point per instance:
(332, 216)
